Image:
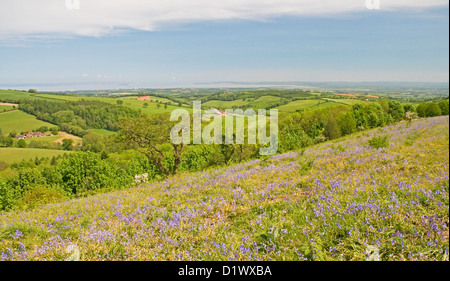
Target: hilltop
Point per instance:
(327, 202)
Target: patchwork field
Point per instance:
(102, 132)
(129, 101)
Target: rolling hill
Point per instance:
(328, 202)
(19, 121)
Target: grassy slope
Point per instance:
(307, 104)
(327, 203)
(130, 102)
(19, 121)
(102, 132)
(15, 96)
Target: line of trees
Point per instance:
(75, 117)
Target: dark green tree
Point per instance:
(67, 144)
(332, 130)
(22, 143)
(444, 105)
(396, 111)
(148, 133)
(347, 123)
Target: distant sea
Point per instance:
(111, 85)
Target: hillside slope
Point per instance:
(329, 202)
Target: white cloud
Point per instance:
(101, 17)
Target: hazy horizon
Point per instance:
(68, 87)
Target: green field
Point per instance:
(132, 99)
(4, 108)
(16, 96)
(224, 104)
(347, 101)
(152, 106)
(19, 121)
(102, 132)
(307, 104)
(13, 154)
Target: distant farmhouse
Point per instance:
(32, 135)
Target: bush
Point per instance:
(21, 144)
(444, 105)
(429, 109)
(7, 196)
(86, 171)
(41, 196)
(26, 180)
(347, 124)
(379, 142)
(332, 130)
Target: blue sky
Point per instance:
(364, 45)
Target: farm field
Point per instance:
(12, 155)
(63, 135)
(225, 104)
(129, 101)
(102, 132)
(15, 96)
(4, 108)
(306, 104)
(347, 101)
(152, 107)
(332, 201)
(19, 121)
(48, 139)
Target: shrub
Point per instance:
(379, 142)
(41, 196)
(86, 171)
(21, 143)
(347, 124)
(429, 109)
(444, 105)
(7, 196)
(332, 130)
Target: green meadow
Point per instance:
(102, 132)
(19, 121)
(12, 155)
(4, 108)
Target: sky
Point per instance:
(90, 44)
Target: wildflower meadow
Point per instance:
(340, 200)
